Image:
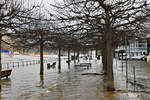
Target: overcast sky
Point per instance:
(46, 2)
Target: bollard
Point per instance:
(48, 66)
(13, 64)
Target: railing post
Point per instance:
(18, 64)
(13, 64)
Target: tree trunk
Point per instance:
(41, 80)
(108, 52)
(74, 56)
(96, 53)
(59, 60)
(78, 55)
(69, 59)
(41, 59)
(104, 60)
(68, 54)
(110, 77)
(147, 47)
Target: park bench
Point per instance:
(68, 61)
(51, 66)
(6, 73)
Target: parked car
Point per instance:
(140, 57)
(144, 58)
(137, 57)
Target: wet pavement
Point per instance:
(25, 83)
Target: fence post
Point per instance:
(13, 64)
(23, 63)
(18, 64)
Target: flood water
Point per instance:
(25, 83)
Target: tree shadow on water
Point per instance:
(42, 81)
(108, 93)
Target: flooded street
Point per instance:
(74, 49)
(25, 83)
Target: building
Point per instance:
(135, 48)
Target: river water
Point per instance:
(25, 83)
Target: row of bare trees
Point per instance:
(102, 24)
(29, 28)
(14, 16)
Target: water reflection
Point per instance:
(59, 90)
(109, 95)
(42, 81)
(6, 85)
(70, 85)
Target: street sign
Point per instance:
(5, 51)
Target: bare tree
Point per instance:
(14, 15)
(102, 23)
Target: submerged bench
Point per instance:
(51, 66)
(6, 73)
(68, 61)
(86, 64)
(83, 65)
(77, 65)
